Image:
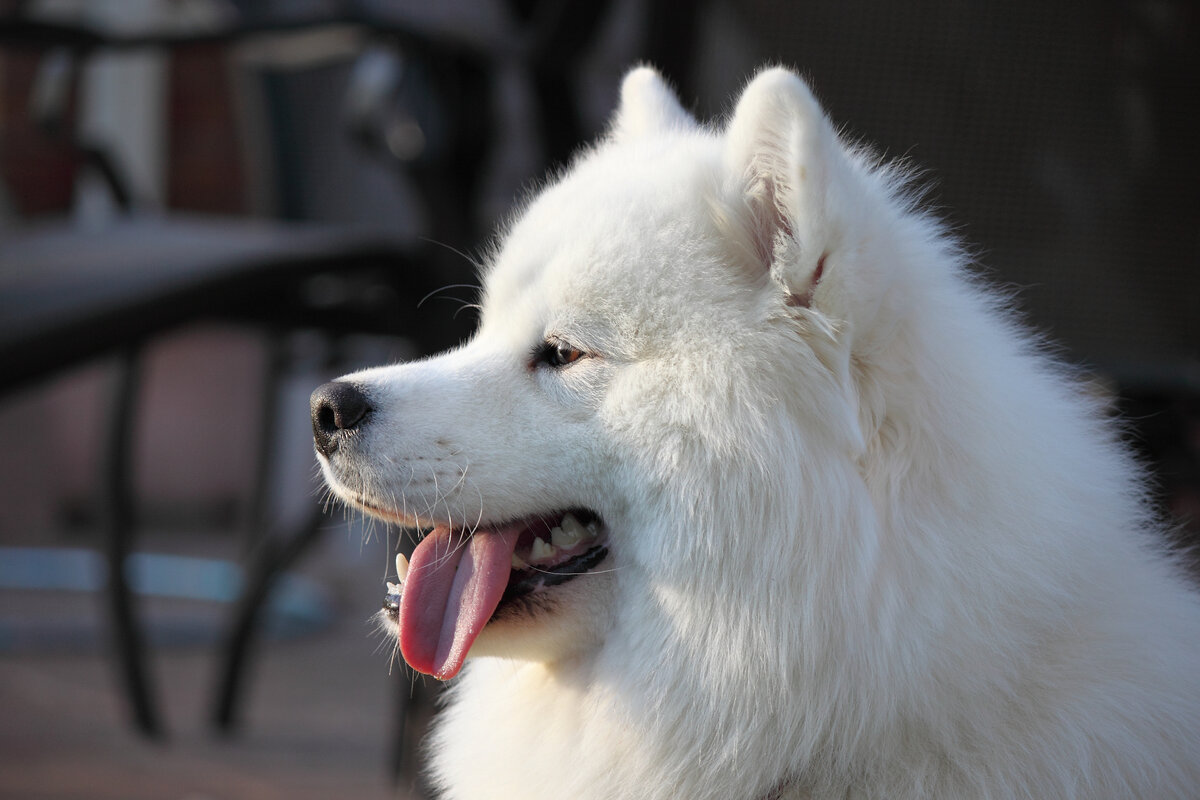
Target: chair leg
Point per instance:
(263, 553)
(118, 521)
(272, 561)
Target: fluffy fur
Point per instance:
(866, 541)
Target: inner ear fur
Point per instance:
(783, 156)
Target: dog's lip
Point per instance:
(534, 525)
(567, 555)
(390, 515)
(458, 580)
(529, 575)
(522, 582)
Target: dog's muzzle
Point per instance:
(338, 408)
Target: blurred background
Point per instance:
(210, 207)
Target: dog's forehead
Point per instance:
(626, 221)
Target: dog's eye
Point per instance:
(557, 354)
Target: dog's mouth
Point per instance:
(458, 581)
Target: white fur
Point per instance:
(866, 542)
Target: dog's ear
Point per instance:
(785, 160)
(648, 106)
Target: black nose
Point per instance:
(336, 407)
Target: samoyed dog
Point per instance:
(745, 489)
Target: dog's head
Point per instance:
(664, 393)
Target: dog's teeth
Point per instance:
(571, 523)
(401, 567)
(569, 534)
(559, 538)
(518, 563)
(394, 588)
(540, 550)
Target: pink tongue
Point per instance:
(452, 590)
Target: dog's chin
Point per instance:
(554, 625)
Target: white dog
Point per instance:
(744, 489)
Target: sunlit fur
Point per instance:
(866, 540)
